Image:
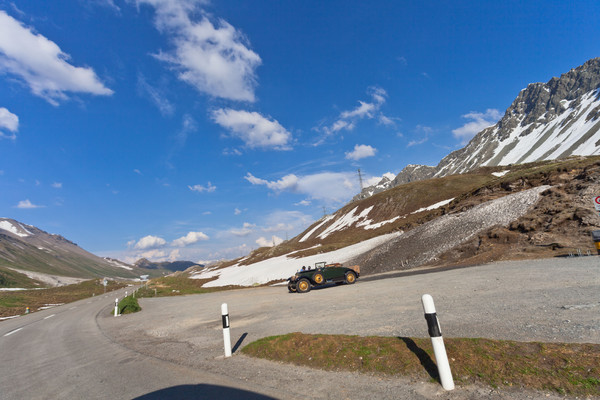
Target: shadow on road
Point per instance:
(202, 392)
(423, 357)
(239, 342)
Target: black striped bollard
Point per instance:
(226, 334)
(437, 341)
(117, 307)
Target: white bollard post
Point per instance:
(437, 341)
(226, 334)
(117, 307)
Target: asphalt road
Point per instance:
(174, 347)
(61, 353)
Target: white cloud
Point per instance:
(8, 121)
(150, 242)
(303, 203)
(57, 185)
(42, 65)
(287, 183)
(328, 186)
(190, 238)
(361, 151)
(246, 230)
(199, 188)
(215, 59)
(26, 204)
(237, 211)
(274, 241)
(253, 129)
(479, 121)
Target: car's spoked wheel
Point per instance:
(350, 278)
(291, 288)
(303, 286)
(318, 278)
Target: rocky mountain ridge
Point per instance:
(546, 121)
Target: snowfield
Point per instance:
(283, 267)
(7, 226)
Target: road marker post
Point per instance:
(226, 333)
(437, 341)
(26, 310)
(117, 307)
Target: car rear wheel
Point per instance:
(318, 278)
(291, 288)
(303, 286)
(350, 277)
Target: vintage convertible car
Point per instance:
(320, 275)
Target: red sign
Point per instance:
(597, 203)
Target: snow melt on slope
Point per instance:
(345, 221)
(501, 173)
(283, 267)
(433, 206)
(7, 226)
(313, 230)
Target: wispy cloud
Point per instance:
(255, 130)
(57, 185)
(42, 65)
(8, 122)
(245, 230)
(209, 188)
(347, 120)
(422, 130)
(155, 95)
(361, 151)
(213, 58)
(478, 122)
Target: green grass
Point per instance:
(563, 368)
(15, 303)
(129, 305)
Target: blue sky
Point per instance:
(200, 130)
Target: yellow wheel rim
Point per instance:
(319, 278)
(350, 278)
(302, 286)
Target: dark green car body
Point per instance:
(322, 274)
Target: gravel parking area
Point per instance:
(553, 300)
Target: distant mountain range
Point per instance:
(32, 252)
(546, 121)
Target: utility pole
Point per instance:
(360, 180)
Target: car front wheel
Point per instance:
(303, 286)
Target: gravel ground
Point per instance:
(553, 300)
(427, 241)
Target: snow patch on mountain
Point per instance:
(15, 230)
(283, 267)
(433, 206)
(313, 230)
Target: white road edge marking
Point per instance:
(11, 332)
(49, 316)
